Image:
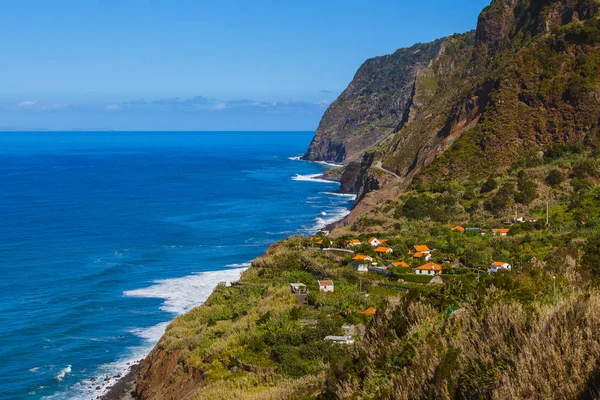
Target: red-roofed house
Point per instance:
(383, 250)
(325, 285)
(500, 232)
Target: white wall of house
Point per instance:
(326, 288)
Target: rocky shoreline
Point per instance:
(124, 388)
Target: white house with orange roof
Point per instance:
(499, 266)
(421, 251)
(383, 250)
(500, 232)
(428, 269)
(352, 243)
(376, 242)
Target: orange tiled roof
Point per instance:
(373, 238)
(361, 257)
(502, 230)
(382, 249)
(430, 266)
(419, 254)
(458, 228)
(352, 241)
(498, 263)
(369, 311)
(400, 264)
(421, 248)
(325, 283)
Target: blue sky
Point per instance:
(199, 65)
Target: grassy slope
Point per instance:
(505, 336)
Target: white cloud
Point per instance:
(323, 103)
(113, 108)
(220, 106)
(27, 104)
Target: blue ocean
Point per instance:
(107, 236)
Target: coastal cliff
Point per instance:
(525, 80)
(461, 130)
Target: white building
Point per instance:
(499, 266)
(325, 285)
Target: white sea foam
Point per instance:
(323, 213)
(328, 164)
(334, 216)
(182, 294)
(152, 334)
(350, 196)
(311, 178)
(63, 372)
(34, 369)
(241, 265)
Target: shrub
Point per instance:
(555, 178)
(488, 186)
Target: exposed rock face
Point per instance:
(471, 104)
(375, 104)
(162, 377)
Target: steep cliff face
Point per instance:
(527, 79)
(377, 103)
(162, 376)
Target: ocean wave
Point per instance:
(241, 265)
(325, 163)
(152, 334)
(350, 196)
(310, 178)
(63, 372)
(182, 294)
(334, 216)
(328, 164)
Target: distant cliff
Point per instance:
(470, 104)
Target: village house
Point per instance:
(398, 264)
(362, 268)
(376, 242)
(362, 257)
(340, 339)
(298, 288)
(428, 269)
(383, 250)
(420, 251)
(458, 228)
(500, 232)
(352, 243)
(524, 219)
(499, 266)
(325, 285)
(380, 270)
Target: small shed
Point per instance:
(325, 285)
(298, 288)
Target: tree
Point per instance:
(591, 258)
(527, 190)
(489, 186)
(502, 200)
(555, 178)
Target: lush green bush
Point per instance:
(414, 278)
(555, 178)
(489, 186)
